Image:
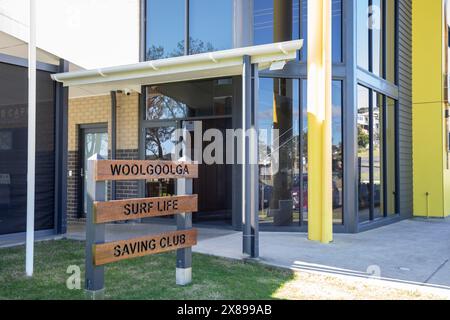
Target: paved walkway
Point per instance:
(416, 250)
(413, 251)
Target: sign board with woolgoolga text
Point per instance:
(99, 252)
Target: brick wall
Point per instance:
(127, 189)
(93, 110)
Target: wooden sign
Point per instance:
(144, 170)
(139, 247)
(120, 210)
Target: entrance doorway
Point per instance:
(213, 185)
(93, 139)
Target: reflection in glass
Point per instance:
(210, 25)
(94, 143)
(376, 13)
(377, 138)
(362, 21)
(376, 32)
(165, 28)
(176, 101)
(336, 30)
(363, 124)
(337, 152)
(276, 21)
(279, 153)
(284, 177)
(159, 145)
(376, 155)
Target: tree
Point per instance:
(195, 46)
(363, 138)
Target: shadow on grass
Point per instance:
(151, 277)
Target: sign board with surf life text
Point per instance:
(99, 252)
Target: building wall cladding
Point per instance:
(405, 107)
(97, 110)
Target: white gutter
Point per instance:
(264, 55)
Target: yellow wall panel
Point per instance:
(430, 164)
(427, 151)
(427, 51)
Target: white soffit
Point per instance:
(194, 67)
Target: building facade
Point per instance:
(372, 114)
(380, 120)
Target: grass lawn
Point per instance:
(151, 277)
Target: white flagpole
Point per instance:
(31, 140)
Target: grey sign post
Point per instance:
(184, 222)
(95, 234)
(250, 176)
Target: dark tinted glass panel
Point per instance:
(390, 40)
(176, 101)
(210, 25)
(165, 28)
(13, 150)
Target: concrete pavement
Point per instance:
(416, 250)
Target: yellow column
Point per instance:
(320, 202)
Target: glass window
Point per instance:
(376, 36)
(210, 25)
(376, 155)
(336, 30)
(13, 149)
(362, 19)
(276, 21)
(284, 174)
(176, 101)
(363, 124)
(165, 28)
(377, 147)
(279, 162)
(391, 10)
(376, 33)
(304, 29)
(337, 152)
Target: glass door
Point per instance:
(92, 141)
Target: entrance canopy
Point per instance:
(185, 68)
